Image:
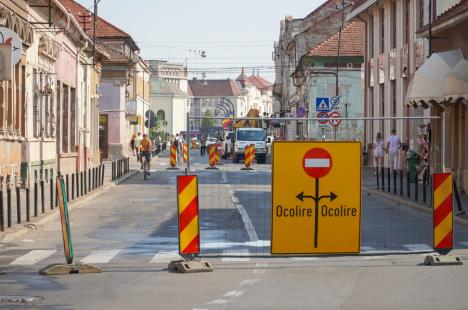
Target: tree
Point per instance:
(207, 123)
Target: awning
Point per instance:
(428, 84)
(456, 84)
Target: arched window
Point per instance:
(161, 115)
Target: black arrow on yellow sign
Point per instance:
(316, 199)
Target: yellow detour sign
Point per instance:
(316, 197)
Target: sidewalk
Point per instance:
(369, 182)
(48, 210)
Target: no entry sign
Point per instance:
(317, 162)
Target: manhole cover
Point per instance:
(19, 299)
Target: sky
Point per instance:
(234, 34)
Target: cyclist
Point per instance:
(137, 145)
(145, 151)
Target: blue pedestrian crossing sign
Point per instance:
(322, 104)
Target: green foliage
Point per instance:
(208, 123)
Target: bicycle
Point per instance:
(145, 168)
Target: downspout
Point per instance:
(78, 108)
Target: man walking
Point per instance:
(393, 149)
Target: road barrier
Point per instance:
(212, 157)
(249, 156)
(173, 158)
(443, 212)
(236, 209)
(119, 168)
(185, 151)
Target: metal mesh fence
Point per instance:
(236, 207)
(236, 203)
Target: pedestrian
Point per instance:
(393, 149)
(138, 140)
(176, 143)
(378, 152)
(132, 143)
(203, 146)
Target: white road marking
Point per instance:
(165, 257)
(249, 282)
(304, 259)
(100, 257)
(28, 240)
(218, 302)
(236, 259)
(367, 249)
(261, 265)
(162, 164)
(234, 293)
(418, 247)
(244, 215)
(32, 257)
(259, 271)
(464, 243)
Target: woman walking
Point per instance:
(378, 152)
(132, 143)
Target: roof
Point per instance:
(161, 86)
(352, 42)
(260, 83)
(452, 12)
(104, 29)
(213, 88)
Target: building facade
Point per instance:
(168, 96)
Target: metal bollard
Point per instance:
(99, 175)
(112, 166)
(394, 182)
(35, 198)
(28, 206)
(85, 183)
(73, 186)
(2, 219)
(401, 182)
(41, 183)
(81, 183)
(103, 174)
(408, 181)
(18, 205)
(424, 189)
(388, 179)
(416, 187)
(8, 206)
(67, 187)
(51, 194)
(383, 177)
(89, 180)
(77, 184)
(377, 174)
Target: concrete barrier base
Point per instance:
(190, 266)
(61, 269)
(442, 260)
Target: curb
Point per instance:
(412, 205)
(77, 204)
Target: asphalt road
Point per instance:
(131, 233)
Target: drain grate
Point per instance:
(20, 299)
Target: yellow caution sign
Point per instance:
(316, 207)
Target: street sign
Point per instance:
(337, 118)
(317, 162)
(316, 205)
(8, 36)
(322, 115)
(334, 103)
(322, 104)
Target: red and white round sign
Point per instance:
(337, 118)
(317, 162)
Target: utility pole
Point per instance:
(337, 91)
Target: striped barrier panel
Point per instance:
(64, 219)
(173, 157)
(185, 148)
(187, 202)
(443, 212)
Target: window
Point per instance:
(36, 125)
(393, 21)
(393, 100)
(371, 36)
(382, 107)
(382, 29)
(59, 117)
(65, 120)
(407, 22)
(72, 118)
(421, 13)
